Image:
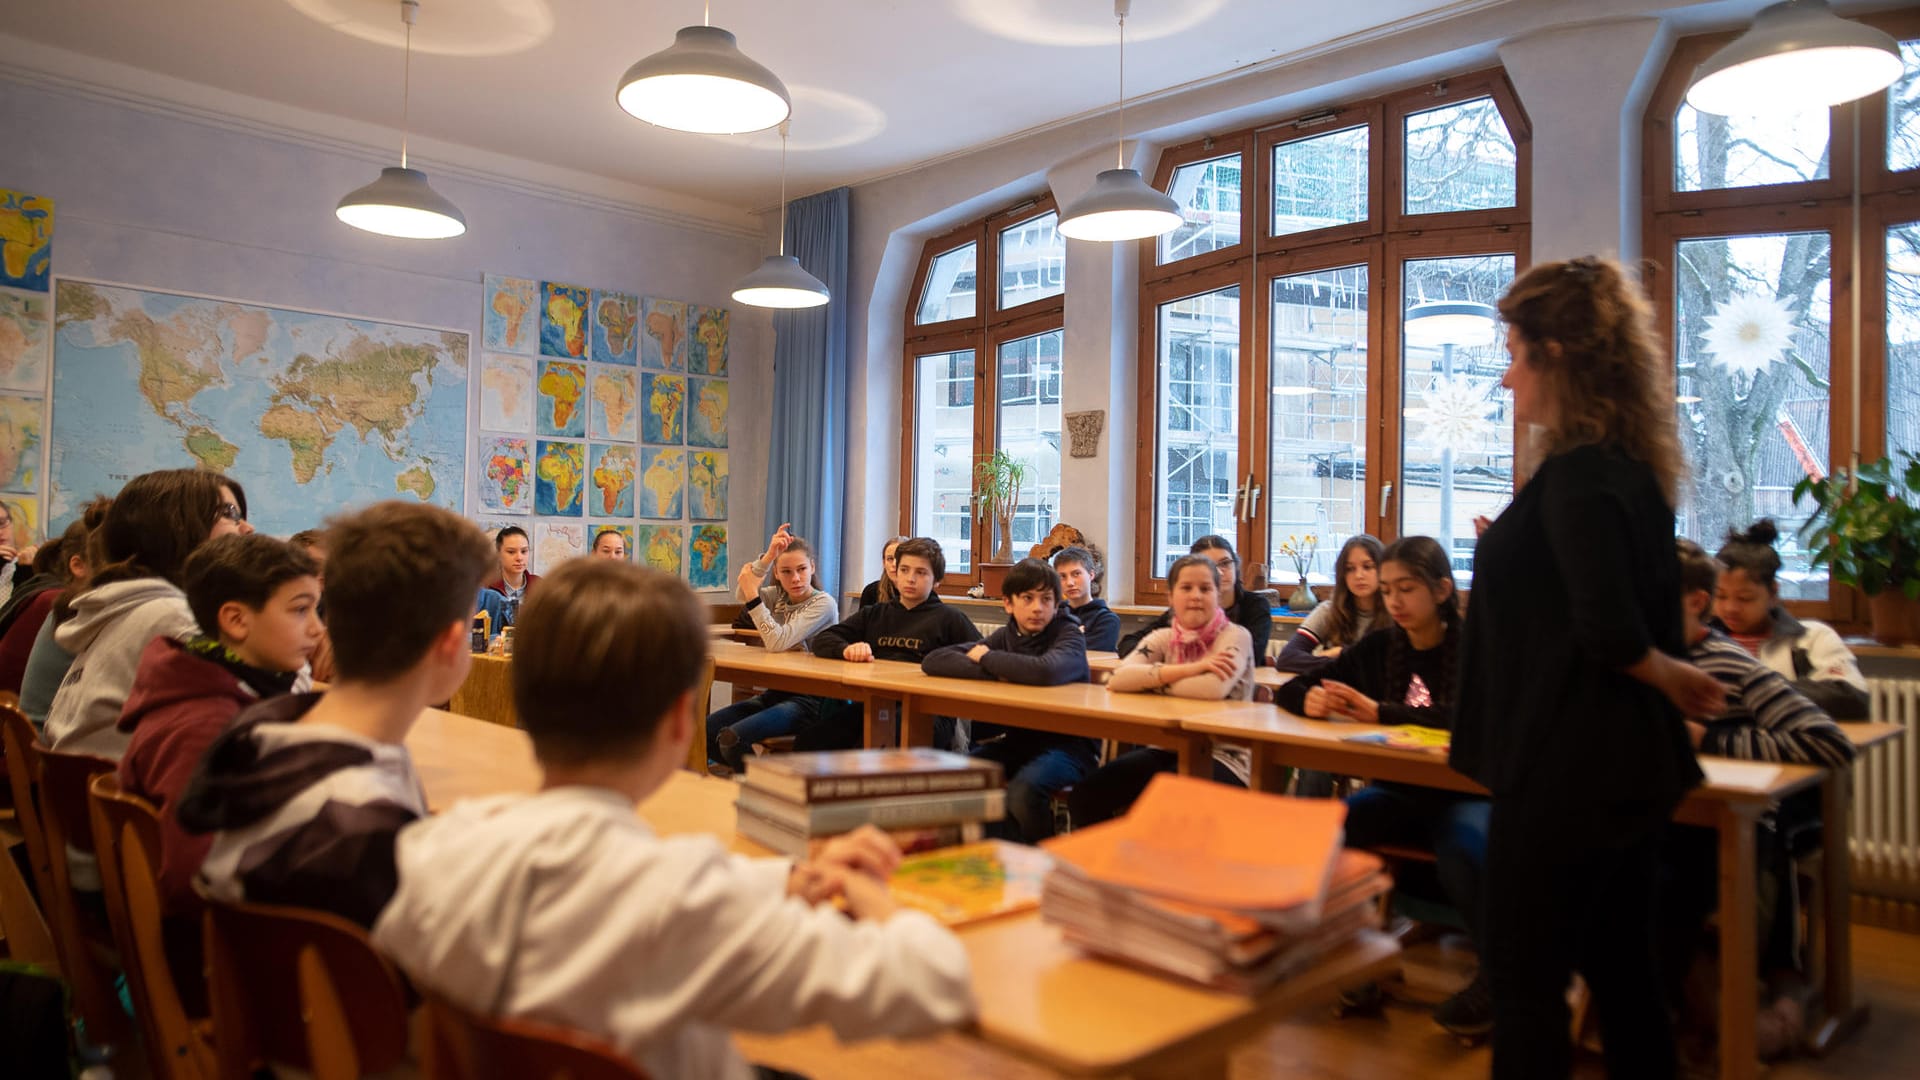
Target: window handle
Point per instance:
(1386, 492)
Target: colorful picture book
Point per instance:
(960, 885)
(1407, 737)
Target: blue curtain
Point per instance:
(806, 472)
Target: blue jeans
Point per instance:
(1036, 768)
(770, 715)
(1451, 825)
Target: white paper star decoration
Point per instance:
(1457, 414)
(1749, 332)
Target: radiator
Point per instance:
(1886, 798)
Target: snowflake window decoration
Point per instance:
(1458, 415)
(1749, 332)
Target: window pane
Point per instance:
(1753, 338)
(1029, 429)
(950, 287)
(1209, 196)
(1903, 112)
(1903, 339)
(1033, 261)
(1316, 477)
(1459, 157)
(1457, 444)
(1320, 181)
(1712, 152)
(943, 454)
(1198, 417)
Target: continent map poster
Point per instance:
(603, 408)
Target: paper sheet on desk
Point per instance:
(1725, 772)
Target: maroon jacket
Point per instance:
(17, 645)
(499, 585)
(179, 704)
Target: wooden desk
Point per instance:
(1038, 997)
(487, 693)
(1103, 663)
(1732, 800)
(804, 673)
(1074, 709)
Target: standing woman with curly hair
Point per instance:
(1571, 694)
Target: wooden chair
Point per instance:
(85, 941)
(697, 746)
(301, 989)
(23, 780)
(464, 1046)
(126, 836)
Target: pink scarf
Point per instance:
(1191, 645)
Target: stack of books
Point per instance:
(1230, 889)
(926, 798)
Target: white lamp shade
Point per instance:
(781, 282)
(1119, 206)
(703, 83)
(1796, 56)
(1450, 322)
(401, 203)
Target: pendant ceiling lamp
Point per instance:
(401, 202)
(1120, 205)
(1797, 55)
(703, 83)
(781, 282)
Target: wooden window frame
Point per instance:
(1379, 242)
(983, 333)
(1888, 198)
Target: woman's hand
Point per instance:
(1318, 703)
(747, 585)
(1352, 703)
(782, 536)
(1692, 691)
(1225, 663)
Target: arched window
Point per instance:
(1751, 238)
(982, 370)
(1318, 351)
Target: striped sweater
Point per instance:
(1766, 718)
(302, 814)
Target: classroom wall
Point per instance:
(1582, 72)
(199, 200)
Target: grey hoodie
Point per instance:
(111, 626)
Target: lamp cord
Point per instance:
(1120, 122)
(783, 186)
(408, 9)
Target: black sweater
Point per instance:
(1055, 655)
(1573, 583)
(1367, 666)
(896, 632)
(1101, 625)
(1249, 610)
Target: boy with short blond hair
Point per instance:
(565, 907)
(303, 795)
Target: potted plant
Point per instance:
(1865, 529)
(1300, 549)
(997, 478)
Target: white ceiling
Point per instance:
(878, 85)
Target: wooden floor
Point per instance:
(1405, 1043)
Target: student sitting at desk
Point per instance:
(787, 613)
(1403, 673)
(564, 907)
(1766, 719)
(1747, 606)
(880, 590)
(1041, 645)
(907, 628)
(1079, 570)
(1251, 612)
(1202, 654)
(1345, 617)
(515, 581)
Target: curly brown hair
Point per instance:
(1589, 331)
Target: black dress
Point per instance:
(1575, 581)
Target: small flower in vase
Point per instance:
(1301, 550)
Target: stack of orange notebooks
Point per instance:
(1227, 888)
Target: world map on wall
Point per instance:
(312, 413)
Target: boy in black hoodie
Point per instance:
(305, 792)
(1041, 645)
(907, 628)
(1079, 571)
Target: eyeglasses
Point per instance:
(230, 511)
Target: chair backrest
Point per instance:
(87, 953)
(697, 746)
(23, 777)
(126, 836)
(300, 988)
(64, 778)
(464, 1046)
